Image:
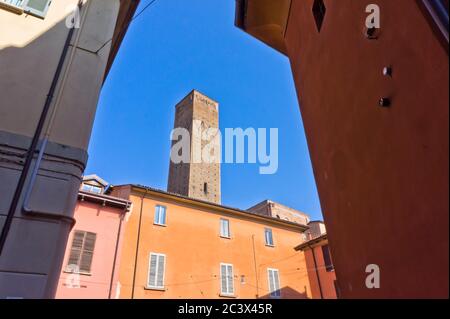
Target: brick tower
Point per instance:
(197, 179)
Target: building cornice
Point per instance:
(145, 190)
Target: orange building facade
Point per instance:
(179, 247)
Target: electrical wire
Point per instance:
(127, 24)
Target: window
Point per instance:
(156, 267)
(225, 228)
(319, 11)
(205, 188)
(327, 258)
(268, 236)
(226, 280)
(37, 8)
(274, 282)
(160, 215)
(81, 252)
(91, 188)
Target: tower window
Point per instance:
(205, 188)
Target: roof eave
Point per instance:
(266, 20)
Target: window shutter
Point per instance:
(75, 251)
(160, 272)
(88, 252)
(274, 282)
(226, 277)
(163, 215)
(37, 7)
(271, 286)
(230, 279)
(156, 271)
(152, 270)
(223, 278)
(327, 258)
(276, 279)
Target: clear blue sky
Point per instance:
(172, 48)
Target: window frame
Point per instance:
(69, 266)
(272, 243)
(24, 8)
(90, 188)
(156, 287)
(157, 215)
(34, 12)
(327, 259)
(227, 293)
(228, 236)
(277, 292)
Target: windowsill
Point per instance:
(11, 8)
(77, 273)
(225, 237)
(155, 288)
(271, 246)
(162, 225)
(227, 296)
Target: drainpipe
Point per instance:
(137, 245)
(116, 251)
(317, 271)
(256, 267)
(35, 140)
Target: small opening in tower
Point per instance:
(205, 188)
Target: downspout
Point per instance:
(116, 251)
(256, 267)
(317, 271)
(34, 142)
(137, 245)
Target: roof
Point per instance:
(96, 178)
(217, 206)
(126, 13)
(311, 242)
(267, 202)
(105, 200)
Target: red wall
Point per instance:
(317, 271)
(382, 173)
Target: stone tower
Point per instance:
(197, 178)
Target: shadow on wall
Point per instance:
(288, 293)
(26, 74)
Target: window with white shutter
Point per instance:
(226, 279)
(274, 282)
(156, 271)
(160, 215)
(225, 228)
(81, 252)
